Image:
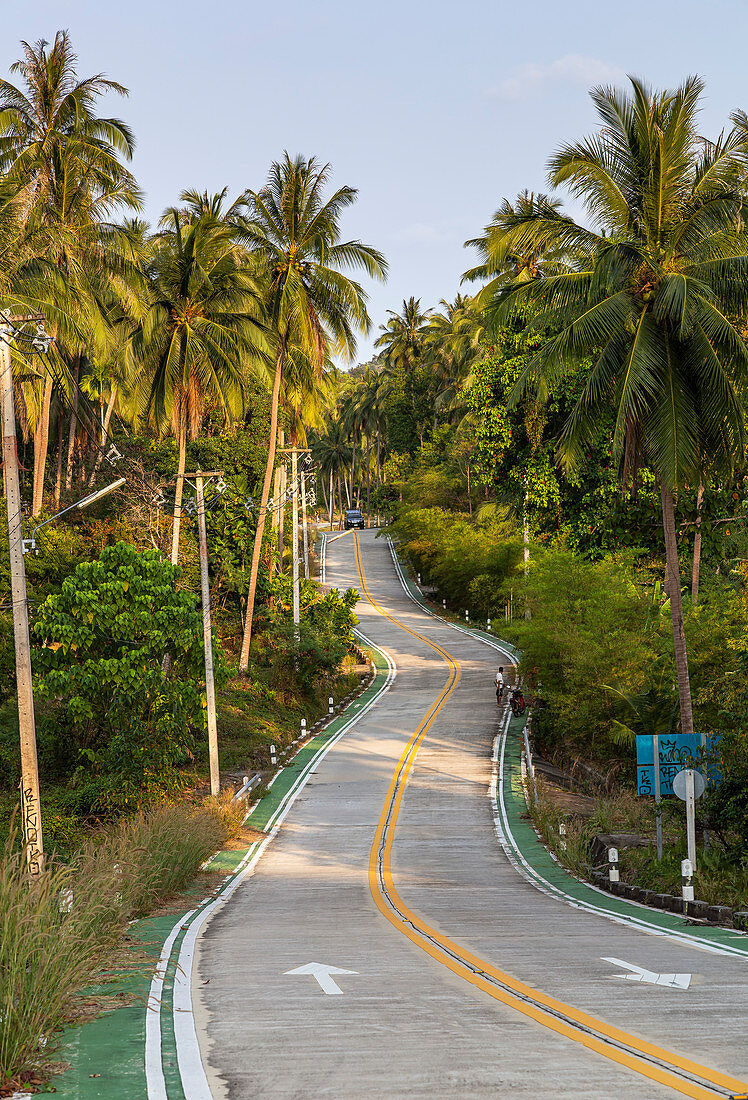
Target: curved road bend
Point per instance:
(480, 985)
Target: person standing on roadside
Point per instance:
(499, 685)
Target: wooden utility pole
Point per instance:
(30, 799)
(210, 683)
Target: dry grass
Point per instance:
(55, 930)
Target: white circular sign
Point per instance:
(679, 784)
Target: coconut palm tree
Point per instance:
(403, 336)
(667, 271)
(310, 304)
(64, 165)
(332, 456)
(453, 344)
(507, 259)
(200, 325)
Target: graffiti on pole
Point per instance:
(30, 812)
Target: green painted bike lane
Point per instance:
(107, 1054)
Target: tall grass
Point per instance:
(571, 848)
(55, 930)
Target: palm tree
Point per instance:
(310, 305)
(512, 259)
(62, 164)
(453, 344)
(332, 455)
(667, 270)
(200, 325)
(403, 336)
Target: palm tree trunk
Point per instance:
(331, 499)
(60, 445)
(247, 639)
(179, 488)
(340, 494)
(353, 469)
(41, 446)
(697, 547)
(676, 610)
(104, 434)
(72, 430)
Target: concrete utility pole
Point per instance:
(30, 799)
(210, 682)
(295, 535)
(304, 526)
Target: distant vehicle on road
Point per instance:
(353, 518)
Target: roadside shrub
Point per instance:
(470, 559)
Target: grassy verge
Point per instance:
(55, 933)
(718, 881)
(252, 715)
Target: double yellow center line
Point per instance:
(681, 1074)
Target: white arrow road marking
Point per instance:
(639, 974)
(323, 974)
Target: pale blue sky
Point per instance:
(433, 111)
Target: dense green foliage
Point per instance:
(102, 643)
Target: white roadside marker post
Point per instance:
(330, 705)
(273, 756)
(303, 729)
(613, 875)
(686, 877)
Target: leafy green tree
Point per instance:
(666, 270)
(311, 307)
(101, 643)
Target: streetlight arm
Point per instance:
(30, 544)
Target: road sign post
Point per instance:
(690, 817)
(688, 785)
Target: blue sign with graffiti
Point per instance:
(677, 751)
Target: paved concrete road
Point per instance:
(406, 1025)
